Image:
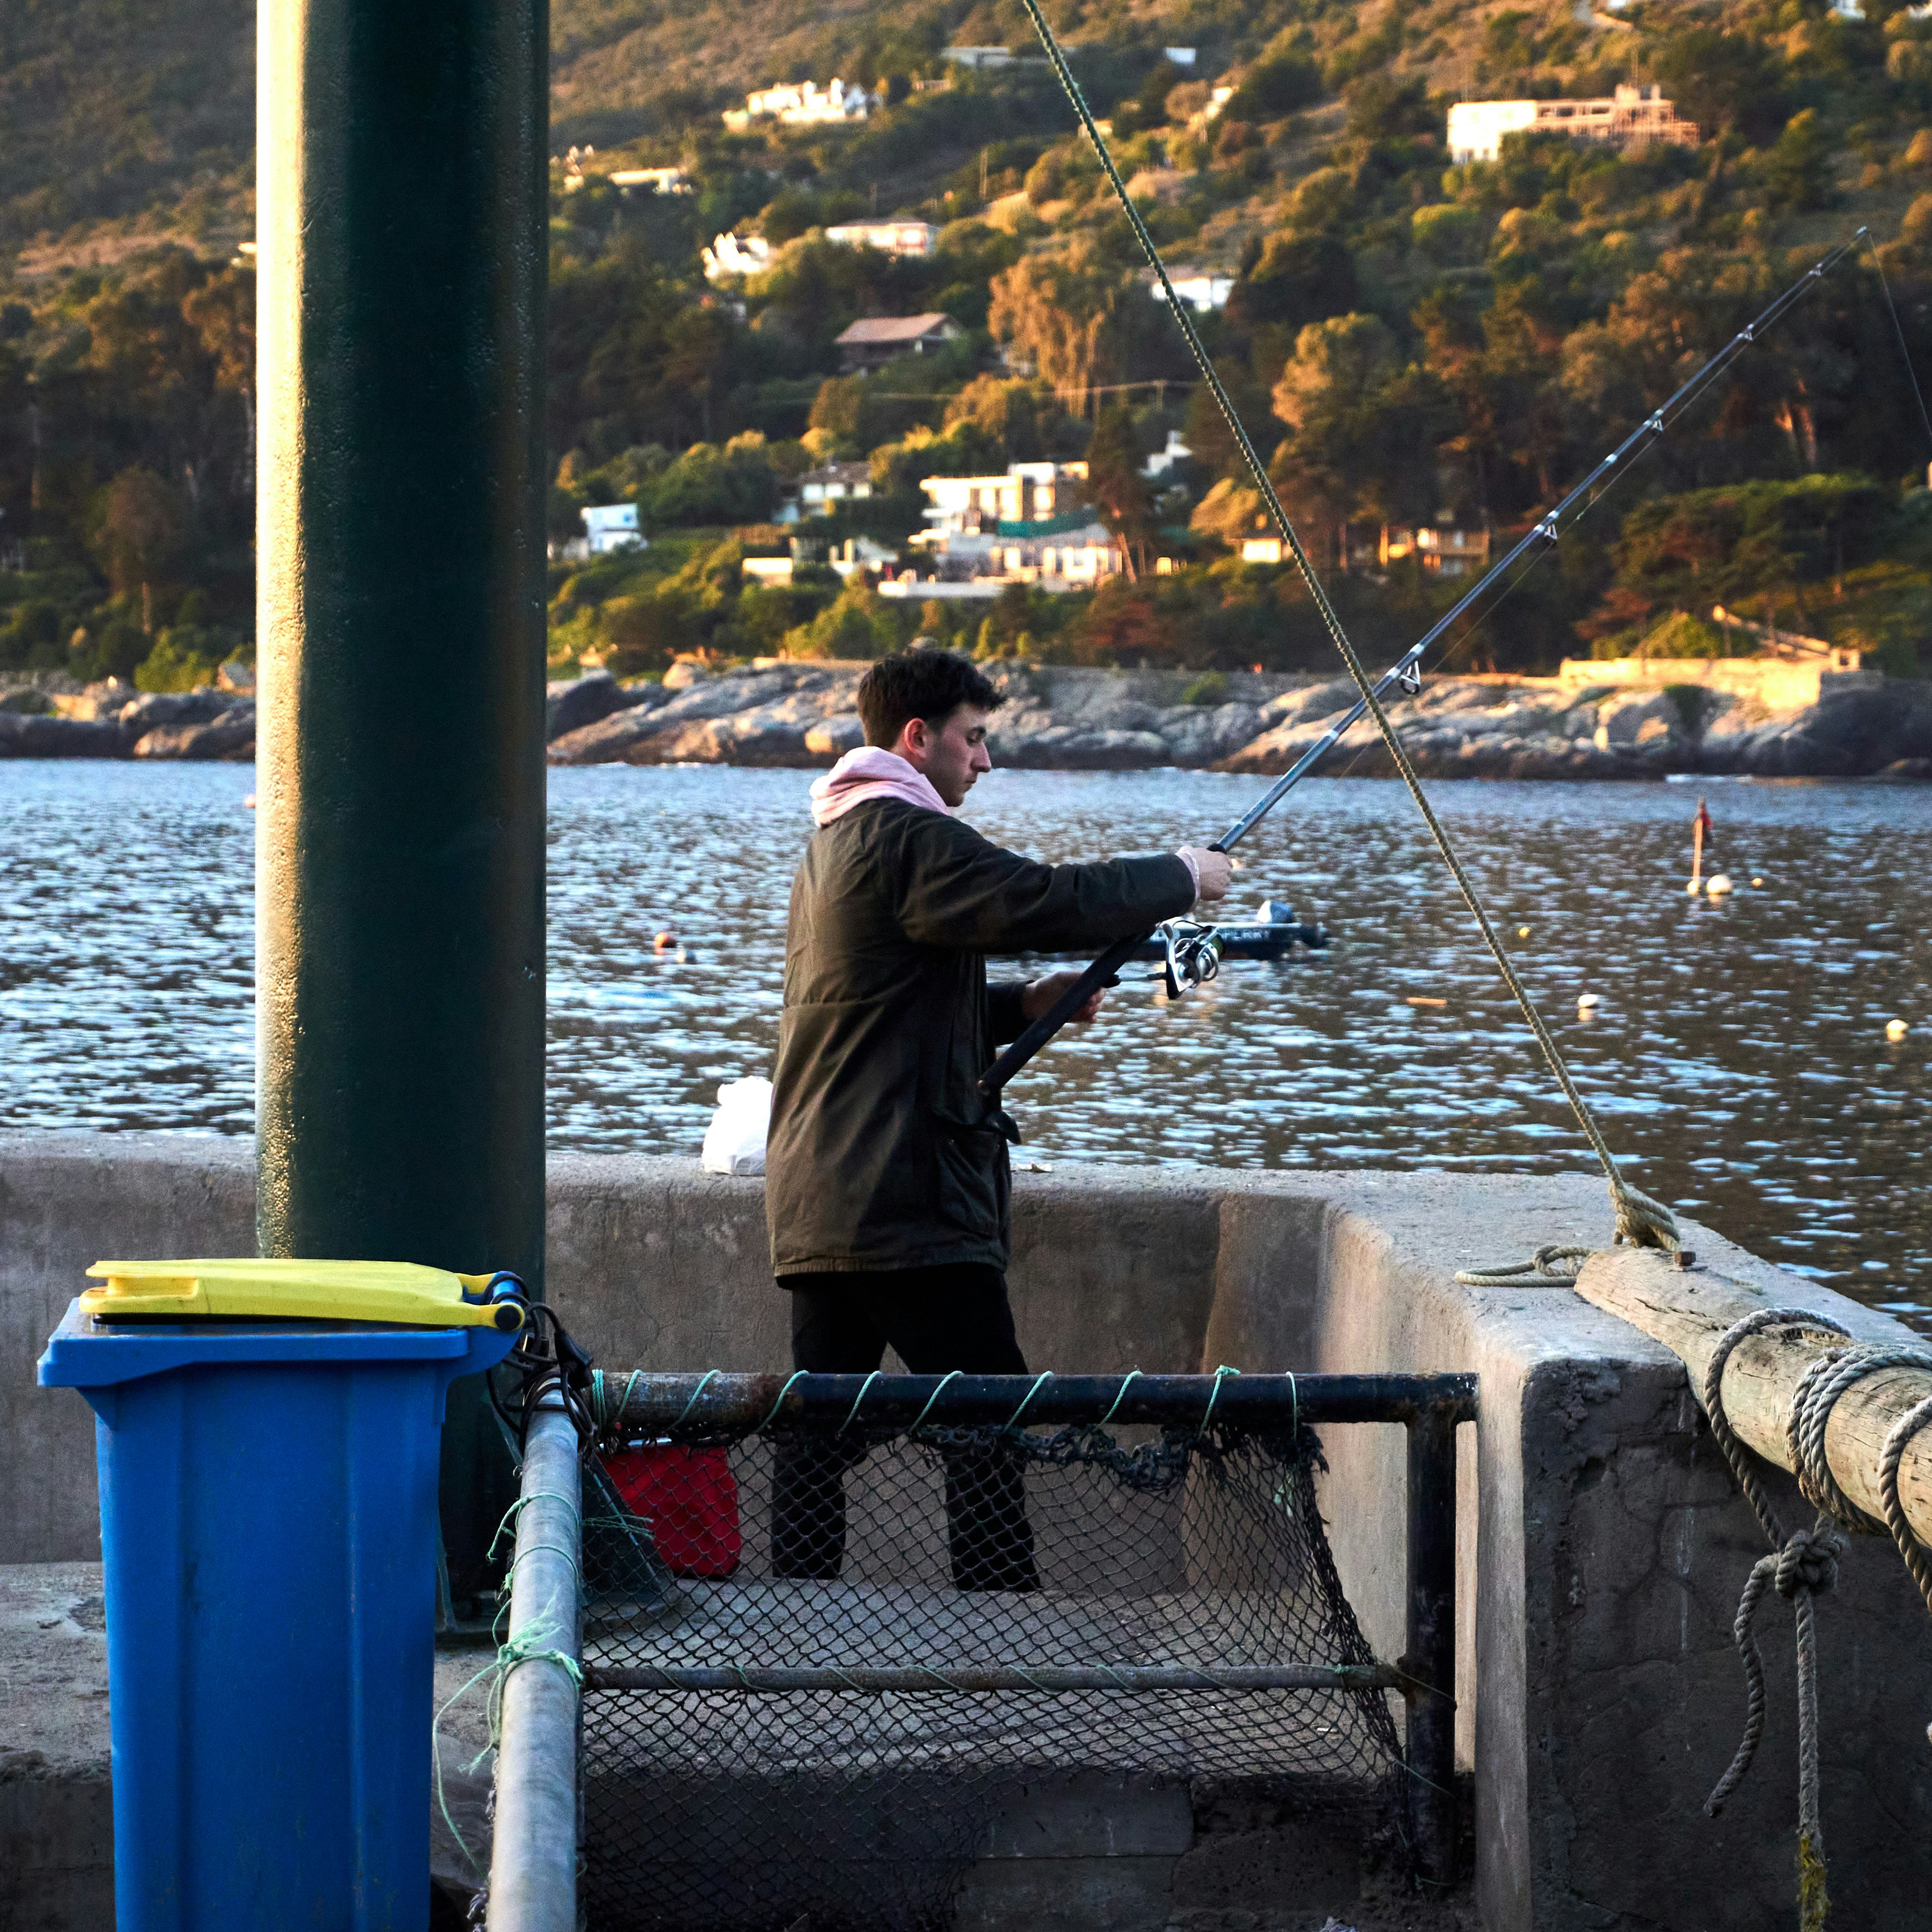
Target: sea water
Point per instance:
(1737, 1056)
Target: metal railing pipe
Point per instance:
(533, 1853)
(1429, 1661)
(688, 1406)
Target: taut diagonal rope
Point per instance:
(1640, 1219)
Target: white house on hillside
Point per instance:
(1633, 117)
(727, 256)
(804, 104)
(1202, 293)
(819, 492)
(1162, 460)
(659, 180)
(983, 532)
(609, 526)
(971, 505)
(889, 238)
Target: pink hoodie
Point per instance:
(870, 772)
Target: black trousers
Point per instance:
(938, 1319)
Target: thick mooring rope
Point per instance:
(1803, 1565)
(1640, 1219)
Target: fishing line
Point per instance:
(1898, 329)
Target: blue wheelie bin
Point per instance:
(268, 1435)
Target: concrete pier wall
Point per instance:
(1601, 1545)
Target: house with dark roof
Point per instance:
(874, 340)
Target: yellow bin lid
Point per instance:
(399, 1292)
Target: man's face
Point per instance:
(952, 754)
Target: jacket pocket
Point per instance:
(975, 1180)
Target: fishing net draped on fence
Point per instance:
(823, 1660)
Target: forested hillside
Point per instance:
(1408, 340)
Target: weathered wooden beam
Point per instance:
(1689, 1309)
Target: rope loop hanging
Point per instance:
(1800, 1567)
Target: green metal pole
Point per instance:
(402, 233)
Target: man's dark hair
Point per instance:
(928, 684)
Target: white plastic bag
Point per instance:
(734, 1143)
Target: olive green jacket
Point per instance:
(882, 1153)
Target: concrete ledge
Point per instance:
(1601, 1547)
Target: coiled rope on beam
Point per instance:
(1640, 1219)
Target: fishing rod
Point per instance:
(1542, 537)
(1193, 956)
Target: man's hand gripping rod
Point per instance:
(1406, 671)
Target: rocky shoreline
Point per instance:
(1056, 718)
(1063, 719)
(108, 721)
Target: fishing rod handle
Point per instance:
(1104, 971)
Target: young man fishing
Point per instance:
(886, 1181)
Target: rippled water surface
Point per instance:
(1738, 1059)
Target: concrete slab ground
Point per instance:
(1601, 1545)
(1073, 1851)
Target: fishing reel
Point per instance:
(1193, 954)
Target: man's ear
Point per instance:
(916, 737)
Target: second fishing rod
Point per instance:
(1406, 671)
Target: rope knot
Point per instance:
(1809, 1562)
(1642, 1222)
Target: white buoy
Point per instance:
(1523, 932)
(248, 803)
(1756, 880)
(1586, 1005)
(1696, 886)
(1718, 885)
(1896, 1029)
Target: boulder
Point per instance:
(105, 699)
(26, 702)
(835, 737)
(1073, 747)
(142, 715)
(1632, 718)
(231, 736)
(1305, 706)
(571, 704)
(44, 737)
(737, 691)
(1198, 735)
(608, 741)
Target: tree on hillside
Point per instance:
(1364, 427)
(1009, 409)
(1295, 279)
(1121, 495)
(1057, 315)
(222, 313)
(138, 529)
(1727, 83)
